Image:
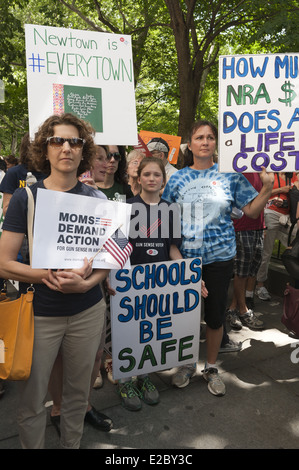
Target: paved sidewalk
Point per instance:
(259, 411)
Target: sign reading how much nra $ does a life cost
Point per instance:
(259, 113)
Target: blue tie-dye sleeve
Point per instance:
(170, 193)
(243, 191)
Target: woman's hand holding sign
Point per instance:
(77, 280)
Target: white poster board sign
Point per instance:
(155, 316)
(259, 113)
(89, 74)
(69, 227)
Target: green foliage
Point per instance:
(212, 27)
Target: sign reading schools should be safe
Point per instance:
(74, 227)
(89, 74)
(155, 316)
(259, 112)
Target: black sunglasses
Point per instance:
(115, 155)
(74, 142)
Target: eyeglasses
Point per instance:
(115, 155)
(134, 162)
(74, 142)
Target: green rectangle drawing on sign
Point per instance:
(85, 103)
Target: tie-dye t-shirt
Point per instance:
(206, 198)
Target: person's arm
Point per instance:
(64, 281)
(282, 189)
(255, 207)
(10, 245)
(6, 200)
(174, 253)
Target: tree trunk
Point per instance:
(189, 72)
(189, 93)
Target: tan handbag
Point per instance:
(17, 324)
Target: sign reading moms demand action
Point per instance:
(259, 113)
(89, 74)
(74, 227)
(155, 316)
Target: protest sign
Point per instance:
(141, 146)
(69, 227)
(172, 140)
(87, 73)
(155, 316)
(259, 113)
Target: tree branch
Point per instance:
(83, 17)
(104, 20)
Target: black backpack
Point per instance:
(294, 199)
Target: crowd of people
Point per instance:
(72, 308)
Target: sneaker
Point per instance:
(149, 393)
(215, 384)
(262, 293)
(233, 319)
(108, 369)
(98, 383)
(182, 377)
(129, 395)
(249, 302)
(249, 319)
(231, 346)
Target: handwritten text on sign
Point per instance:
(85, 73)
(155, 316)
(259, 112)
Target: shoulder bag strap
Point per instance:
(30, 215)
(278, 180)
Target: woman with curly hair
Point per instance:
(68, 305)
(115, 185)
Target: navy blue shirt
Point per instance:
(153, 229)
(15, 178)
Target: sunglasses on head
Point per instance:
(74, 142)
(115, 155)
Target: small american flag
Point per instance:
(119, 247)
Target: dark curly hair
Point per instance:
(24, 150)
(39, 147)
(188, 155)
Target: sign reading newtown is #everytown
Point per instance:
(259, 112)
(89, 74)
(74, 227)
(155, 316)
